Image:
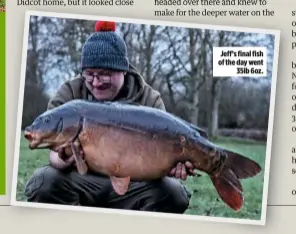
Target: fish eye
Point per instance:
(46, 119)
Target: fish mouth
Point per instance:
(35, 139)
(34, 142)
(29, 136)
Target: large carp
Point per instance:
(130, 142)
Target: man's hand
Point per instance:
(64, 158)
(182, 170)
(60, 160)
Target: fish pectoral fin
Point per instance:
(82, 168)
(120, 184)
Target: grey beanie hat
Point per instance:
(105, 49)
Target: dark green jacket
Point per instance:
(135, 90)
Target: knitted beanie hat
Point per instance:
(105, 49)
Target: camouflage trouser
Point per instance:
(48, 185)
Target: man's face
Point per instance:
(103, 84)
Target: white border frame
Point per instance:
(262, 221)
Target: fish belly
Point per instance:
(126, 153)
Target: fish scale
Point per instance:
(146, 118)
(132, 142)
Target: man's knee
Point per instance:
(169, 195)
(178, 196)
(43, 183)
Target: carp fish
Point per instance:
(130, 142)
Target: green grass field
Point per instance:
(204, 201)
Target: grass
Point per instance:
(204, 201)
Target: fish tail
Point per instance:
(241, 166)
(227, 181)
(229, 189)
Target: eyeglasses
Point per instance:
(104, 77)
